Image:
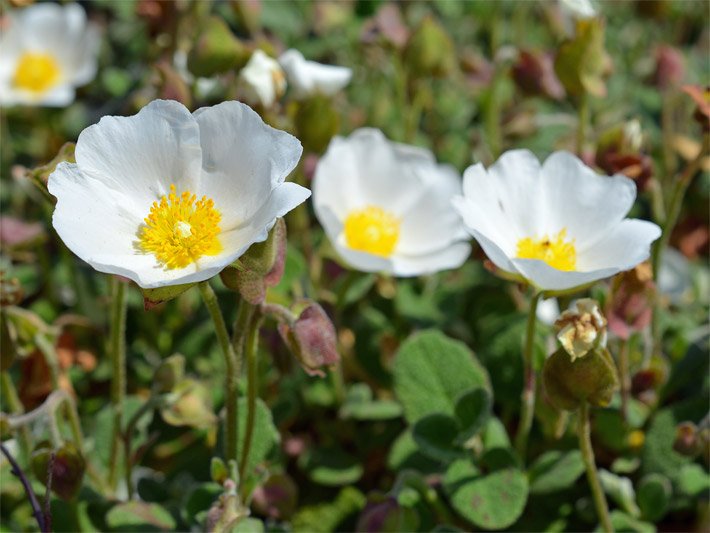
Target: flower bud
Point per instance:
(217, 50)
(534, 73)
(384, 513)
(629, 308)
(569, 382)
(701, 97)
(582, 62)
(67, 468)
(317, 122)
(686, 439)
(312, 339)
(581, 328)
(262, 266)
(169, 373)
(172, 85)
(276, 498)
(429, 51)
(670, 67)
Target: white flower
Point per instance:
(386, 207)
(263, 79)
(559, 226)
(166, 197)
(308, 77)
(46, 51)
(582, 9)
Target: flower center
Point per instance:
(558, 252)
(372, 230)
(36, 72)
(181, 229)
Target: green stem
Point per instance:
(583, 120)
(118, 361)
(585, 446)
(9, 393)
(232, 371)
(251, 345)
(624, 377)
(528, 396)
(682, 183)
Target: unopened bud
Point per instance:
(67, 466)
(686, 439)
(169, 373)
(317, 122)
(262, 266)
(384, 513)
(629, 308)
(670, 67)
(534, 73)
(218, 470)
(569, 382)
(581, 328)
(217, 50)
(276, 498)
(312, 339)
(582, 63)
(701, 97)
(429, 51)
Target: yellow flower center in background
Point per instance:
(558, 252)
(181, 229)
(36, 72)
(372, 230)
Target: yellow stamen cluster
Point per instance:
(558, 252)
(36, 72)
(181, 229)
(372, 230)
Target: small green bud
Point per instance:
(568, 382)
(429, 51)
(169, 373)
(317, 122)
(312, 339)
(216, 50)
(67, 468)
(191, 407)
(582, 62)
(218, 470)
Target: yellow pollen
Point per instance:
(180, 229)
(372, 230)
(36, 72)
(558, 252)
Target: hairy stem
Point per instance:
(585, 446)
(527, 408)
(17, 471)
(250, 352)
(118, 362)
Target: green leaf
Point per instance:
(473, 408)
(693, 479)
(555, 471)
(331, 466)
(265, 435)
(431, 371)
(200, 499)
(654, 495)
(489, 501)
(435, 435)
(620, 490)
(326, 517)
(359, 405)
(139, 516)
(495, 435)
(153, 297)
(248, 525)
(623, 522)
(405, 454)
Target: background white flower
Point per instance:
(224, 165)
(46, 51)
(387, 206)
(263, 79)
(308, 77)
(559, 225)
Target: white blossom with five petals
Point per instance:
(167, 197)
(46, 51)
(558, 226)
(386, 207)
(307, 78)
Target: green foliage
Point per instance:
(445, 368)
(554, 471)
(139, 516)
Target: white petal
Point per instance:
(243, 159)
(308, 77)
(430, 224)
(450, 257)
(362, 260)
(143, 154)
(544, 277)
(263, 79)
(577, 198)
(623, 247)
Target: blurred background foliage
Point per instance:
(379, 444)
